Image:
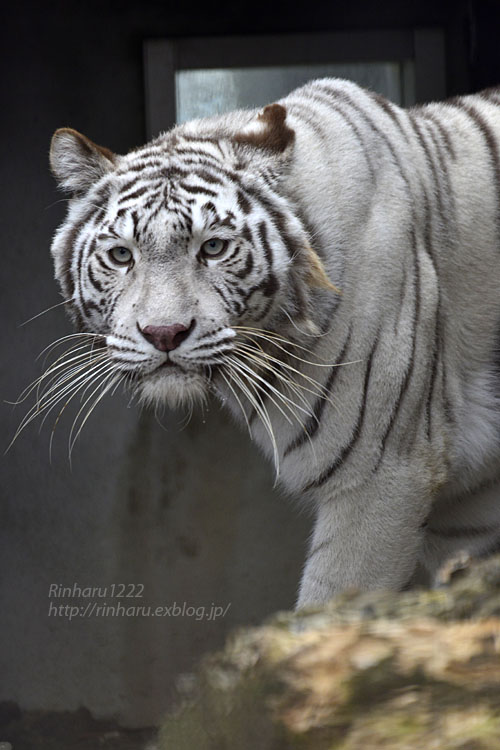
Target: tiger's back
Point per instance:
(329, 267)
(417, 221)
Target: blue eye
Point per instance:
(121, 255)
(214, 247)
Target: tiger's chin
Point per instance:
(173, 390)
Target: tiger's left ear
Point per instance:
(268, 131)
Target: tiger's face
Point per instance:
(168, 252)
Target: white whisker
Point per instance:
(274, 339)
(61, 340)
(252, 374)
(48, 309)
(289, 383)
(83, 381)
(261, 411)
(68, 377)
(300, 330)
(238, 400)
(319, 389)
(109, 380)
(53, 396)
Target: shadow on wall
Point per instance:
(199, 526)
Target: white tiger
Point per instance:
(330, 268)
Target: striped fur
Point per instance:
(378, 403)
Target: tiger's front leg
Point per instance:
(368, 537)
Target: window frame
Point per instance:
(163, 57)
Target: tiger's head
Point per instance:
(168, 253)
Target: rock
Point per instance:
(368, 671)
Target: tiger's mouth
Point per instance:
(168, 364)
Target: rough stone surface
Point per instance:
(405, 671)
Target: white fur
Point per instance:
(405, 220)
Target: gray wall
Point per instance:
(190, 514)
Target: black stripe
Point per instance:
(438, 337)
(210, 208)
(213, 344)
(429, 159)
(344, 97)
(247, 269)
(227, 221)
(233, 259)
(208, 177)
(109, 269)
(445, 135)
(198, 189)
(389, 109)
(269, 285)
(313, 423)
(490, 139)
(192, 138)
(326, 100)
(95, 282)
(409, 370)
(262, 230)
(122, 337)
(67, 262)
(121, 212)
(199, 157)
(79, 275)
(265, 310)
(125, 348)
(111, 304)
(135, 222)
(443, 165)
(402, 298)
(89, 305)
(69, 248)
(438, 341)
(143, 165)
(186, 217)
(127, 185)
(132, 196)
(156, 197)
(243, 202)
(356, 433)
(432, 380)
(173, 173)
(328, 319)
(265, 200)
(225, 301)
(304, 113)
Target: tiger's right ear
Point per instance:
(77, 162)
(268, 131)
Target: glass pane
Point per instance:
(200, 93)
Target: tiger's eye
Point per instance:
(121, 255)
(214, 247)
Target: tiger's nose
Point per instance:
(166, 338)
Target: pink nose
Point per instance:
(166, 338)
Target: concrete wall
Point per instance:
(189, 514)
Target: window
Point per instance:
(196, 77)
